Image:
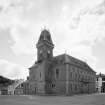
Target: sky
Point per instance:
(77, 27)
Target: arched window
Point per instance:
(57, 73)
(48, 38)
(40, 74)
(71, 75)
(71, 86)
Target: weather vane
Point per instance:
(65, 52)
(44, 27)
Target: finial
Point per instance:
(44, 27)
(65, 52)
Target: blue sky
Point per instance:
(76, 26)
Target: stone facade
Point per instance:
(59, 75)
(26, 89)
(4, 83)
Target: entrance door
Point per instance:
(35, 90)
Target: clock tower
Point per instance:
(44, 46)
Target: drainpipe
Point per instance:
(67, 78)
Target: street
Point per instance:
(91, 99)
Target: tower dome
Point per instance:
(45, 36)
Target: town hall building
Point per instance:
(58, 75)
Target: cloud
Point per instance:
(26, 17)
(11, 18)
(12, 71)
(88, 24)
(71, 22)
(97, 10)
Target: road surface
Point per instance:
(92, 99)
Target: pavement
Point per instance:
(91, 99)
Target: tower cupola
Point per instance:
(45, 36)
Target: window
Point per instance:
(71, 86)
(75, 87)
(71, 75)
(53, 85)
(75, 76)
(103, 79)
(57, 73)
(40, 74)
(48, 38)
(97, 79)
(48, 54)
(21, 85)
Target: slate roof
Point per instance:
(45, 36)
(5, 81)
(64, 58)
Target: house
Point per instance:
(100, 83)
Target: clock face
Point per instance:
(40, 51)
(48, 51)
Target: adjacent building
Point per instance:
(3, 90)
(16, 87)
(19, 87)
(100, 83)
(59, 75)
(4, 83)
